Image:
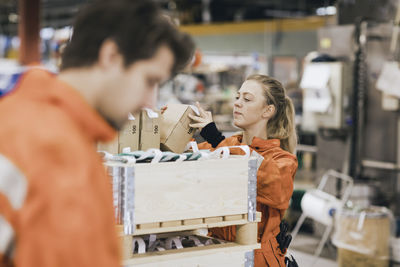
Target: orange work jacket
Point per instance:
(274, 189)
(55, 197)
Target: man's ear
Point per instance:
(269, 112)
(109, 55)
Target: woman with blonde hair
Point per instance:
(266, 116)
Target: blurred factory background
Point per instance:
(339, 61)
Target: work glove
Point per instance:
(283, 238)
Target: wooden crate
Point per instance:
(173, 197)
(187, 195)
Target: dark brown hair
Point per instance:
(137, 27)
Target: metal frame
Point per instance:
(249, 259)
(123, 184)
(252, 190)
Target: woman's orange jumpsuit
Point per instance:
(274, 190)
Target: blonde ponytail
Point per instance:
(289, 143)
(281, 126)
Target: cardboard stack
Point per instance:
(149, 129)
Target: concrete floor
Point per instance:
(303, 247)
(307, 260)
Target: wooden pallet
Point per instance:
(246, 236)
(190, 224)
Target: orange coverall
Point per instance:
(55, 197)
(274, 189)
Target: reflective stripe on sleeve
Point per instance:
(13, 183)
(6, 236)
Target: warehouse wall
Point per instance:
(270, 44)
(280, 37)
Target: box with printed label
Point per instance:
(149, 129)
(129, 135)
(175, 129)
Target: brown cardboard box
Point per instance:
(175, 130)
(110, 147)
(149, 130)
(129, 135)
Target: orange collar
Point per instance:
(49, 89)
(261, 144)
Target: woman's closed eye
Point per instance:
(244, 98)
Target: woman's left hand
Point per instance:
(201, 121)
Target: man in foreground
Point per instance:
(55, 199)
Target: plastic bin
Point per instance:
(363, 237)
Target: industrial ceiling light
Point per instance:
(13, 17)
(324, 11)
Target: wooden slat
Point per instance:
(174, 234)
(234, 217)
(213, 219)
(193, 221)
(227, 223)
(168, 229)
(148, 226)
(171, 224)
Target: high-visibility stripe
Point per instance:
(13, 183)
(6, 236)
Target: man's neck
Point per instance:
(84, 80)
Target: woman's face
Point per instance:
(250, 107)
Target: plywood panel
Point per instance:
(189, 190)
(221, 259)
(230, 254)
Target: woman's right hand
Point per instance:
(202, 120)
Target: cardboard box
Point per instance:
(175, 130)
(110, 147)
(149, 129)
(129, 135)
